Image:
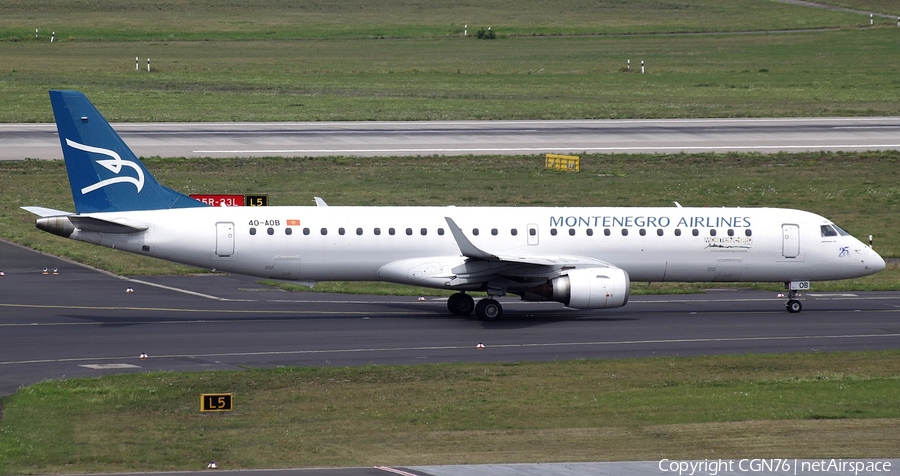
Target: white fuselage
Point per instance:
(360, 243)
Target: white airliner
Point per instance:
(582, 257)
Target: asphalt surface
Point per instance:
(81, 322)
(304, 139)
(73, 321)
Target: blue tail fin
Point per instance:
(104, 173)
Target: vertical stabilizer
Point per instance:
(104, 173)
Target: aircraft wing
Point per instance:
(502, 270)
(471, 251)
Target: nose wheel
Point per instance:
(793, 305)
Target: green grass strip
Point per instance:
(596, 410)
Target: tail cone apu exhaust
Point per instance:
(60, 226)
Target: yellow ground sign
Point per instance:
(568, 163)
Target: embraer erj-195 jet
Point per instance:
(584, 258)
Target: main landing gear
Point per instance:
(488, 310)
(461, 304)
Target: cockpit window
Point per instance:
(840, 230)
(827, 230)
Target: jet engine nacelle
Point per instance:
(590, 288)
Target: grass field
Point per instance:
(284, 63)
(762, 406)
(833, 73)
(142, 20)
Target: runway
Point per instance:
(80, 322)
(305, 139)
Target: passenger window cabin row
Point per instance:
(513, 232)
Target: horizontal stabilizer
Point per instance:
(103, 226)
(46, 212)
(64, 225)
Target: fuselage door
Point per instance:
(790, 240)
(532, 234)
(224, 238)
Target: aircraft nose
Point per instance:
(875, 262)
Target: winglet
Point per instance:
(465, 246)
(104, 173)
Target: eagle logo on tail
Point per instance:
(114, 165)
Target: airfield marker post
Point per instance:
(36, 35)
(642, 66)
(871, 19)
(137, 66)
(148, 65)
(52, 37)
(628, 66)
(466, 28)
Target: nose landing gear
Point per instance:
(794, 287)
(793, 305)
